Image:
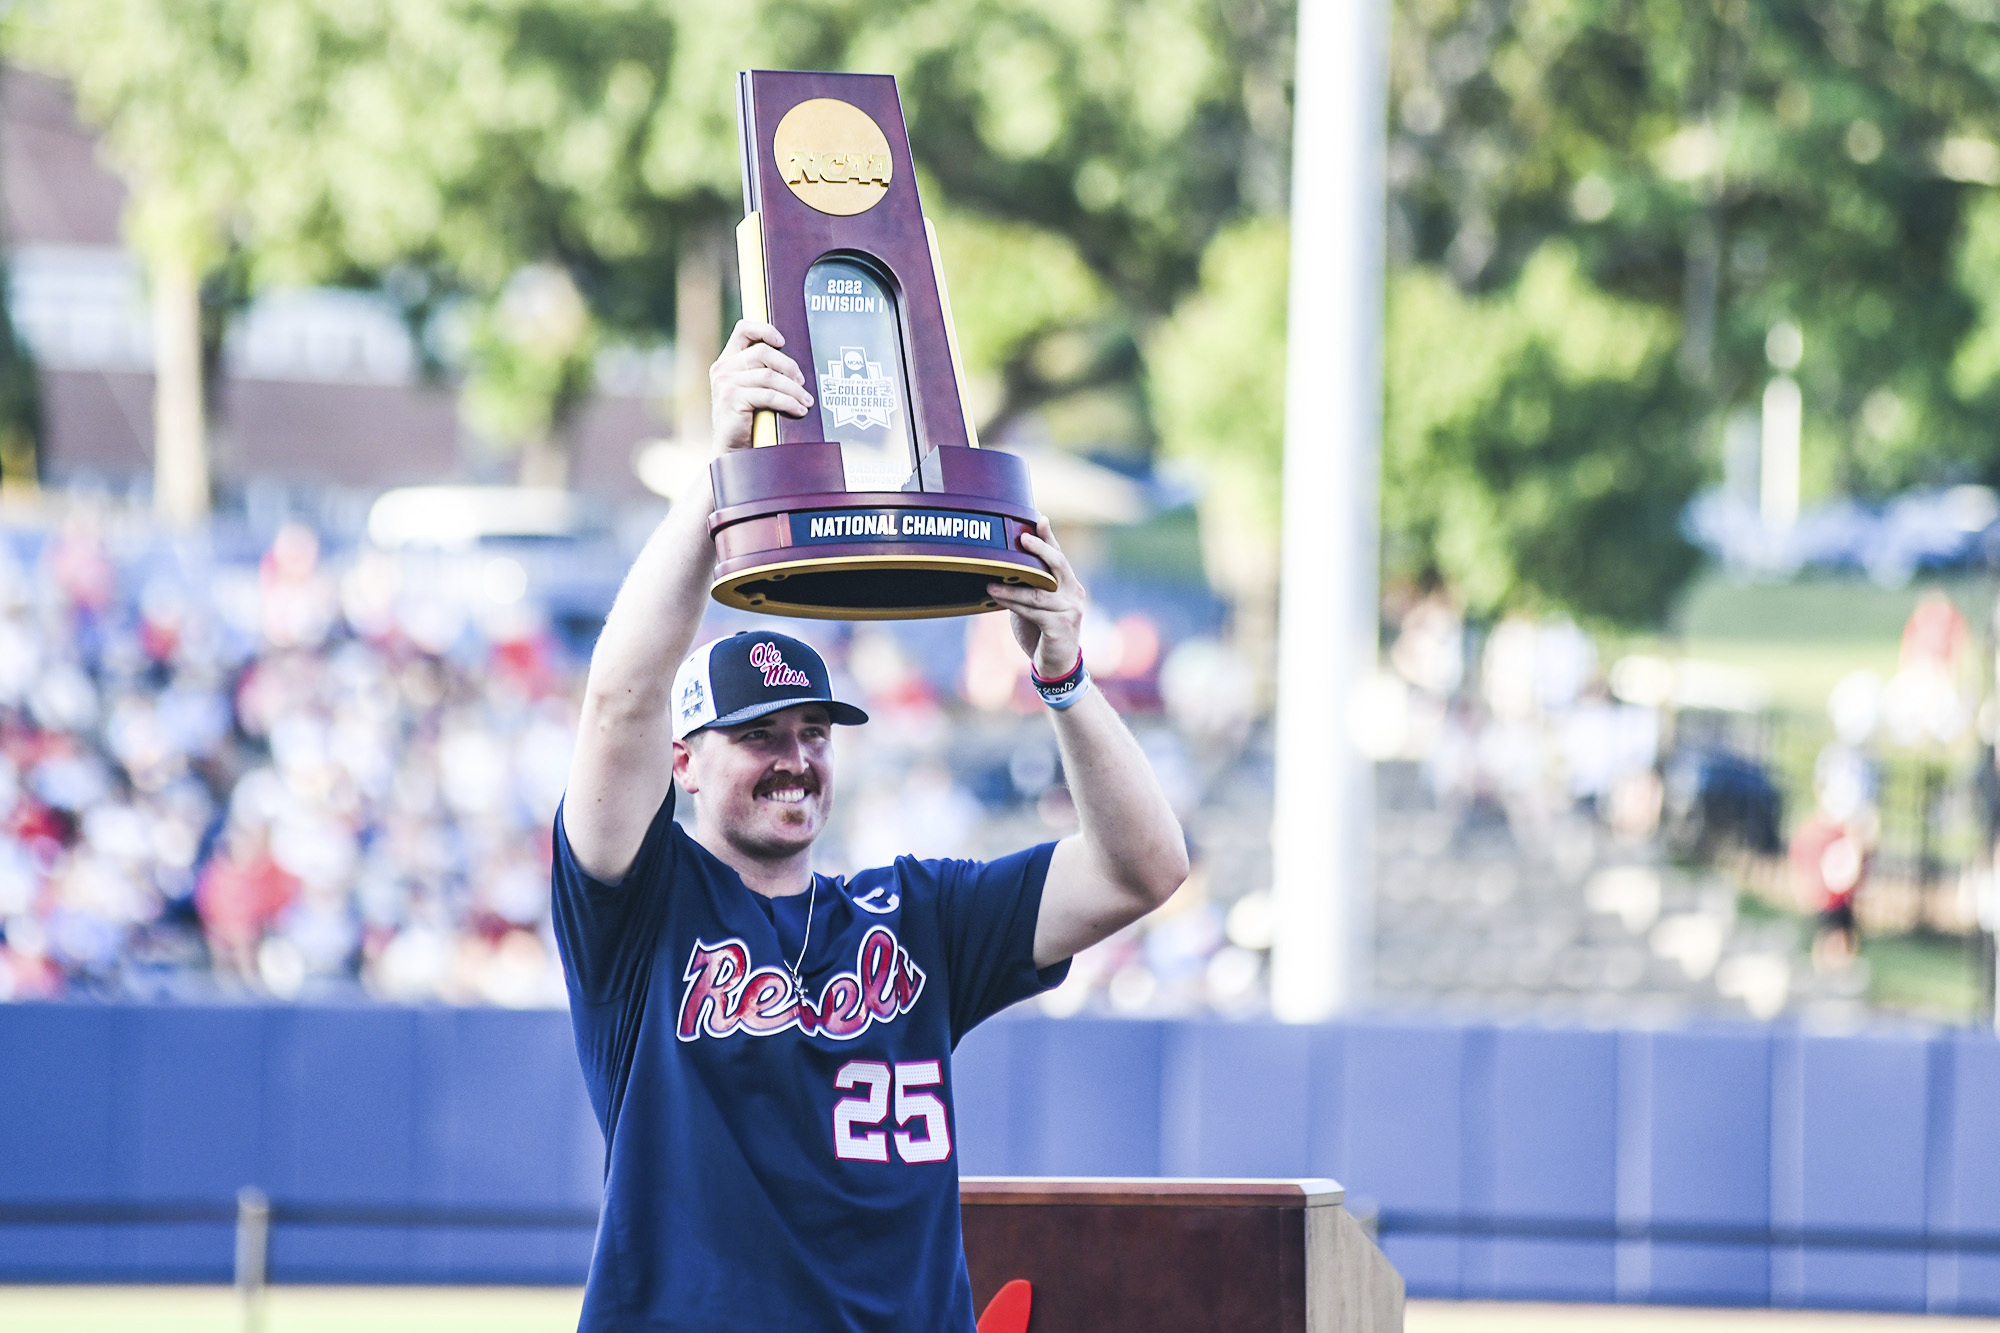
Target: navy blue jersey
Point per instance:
(773, 1163)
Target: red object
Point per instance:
(1935, 634)
(81, 568)
(1040, 679)
(159, 639)
(1830, 862)
(528, 662)
(238, 898)
(1007, 1312)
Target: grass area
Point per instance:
(291, 1310)
(1521, 1317)
(1927, 976)
(1802, 637)
(1755, 907)
(1796, 674)
(1819, 610)
(1923, 974)
(554, 1310)
(1799, 675)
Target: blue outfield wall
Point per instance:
(1727, 1165)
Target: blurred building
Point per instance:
(318, 388)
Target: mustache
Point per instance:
(808, 781)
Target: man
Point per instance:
(768, 1050)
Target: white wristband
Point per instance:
(1067, 696)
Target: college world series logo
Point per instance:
(724, 995)
(856, 391)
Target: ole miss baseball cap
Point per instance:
(750, 674)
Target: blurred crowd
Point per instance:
(958, 760)
(1529, 732)
(272, 767)
(273, 774)
(282, 767)
(1929, 707)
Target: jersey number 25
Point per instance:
(853, 1142)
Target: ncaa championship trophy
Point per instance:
(879, 504)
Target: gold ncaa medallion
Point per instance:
(832, 156)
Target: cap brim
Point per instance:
(846, 715)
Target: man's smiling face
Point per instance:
(765, 785)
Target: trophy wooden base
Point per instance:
(792, 540)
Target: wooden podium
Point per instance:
(1178, 1256)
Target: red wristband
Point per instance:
(1070, 674)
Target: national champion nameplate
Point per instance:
(905, 525)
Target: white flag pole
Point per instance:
(1327, 609)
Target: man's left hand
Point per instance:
(1047, 625)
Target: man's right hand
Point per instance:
(624, 746)
(753, 376)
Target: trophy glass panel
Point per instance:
(857, 348)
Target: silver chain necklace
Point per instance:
(798, 981)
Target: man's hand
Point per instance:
(624, 747)
(1128, 854)
(753, 376)
(1047, 625)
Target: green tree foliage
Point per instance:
(462, 144)
(1975, 369)
(1598, 210)
(1216, 373)
(1118, 136)
(343, 138)
(20, 406)
(1137, 128)
(457, 143)
(1539, 440)
(1732, 164)
(1017, 290)
(1675, 177)
(1535, 444)
(534, 350)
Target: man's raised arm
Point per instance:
(1130, 854)
(624, 758)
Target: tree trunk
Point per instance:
(544, 463)
(697, 330)
(180, 427)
